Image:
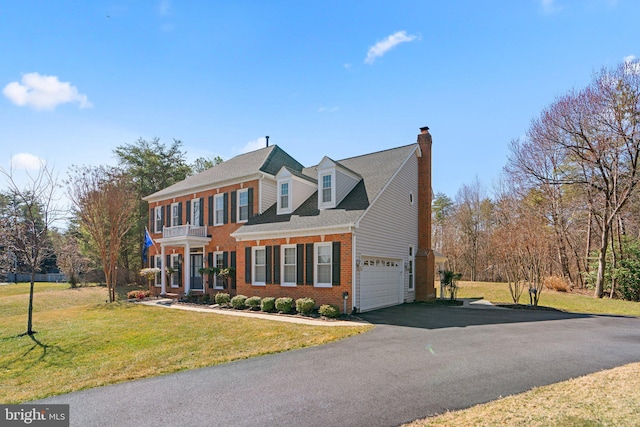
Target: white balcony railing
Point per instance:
(184, 231)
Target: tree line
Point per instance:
(566, 206)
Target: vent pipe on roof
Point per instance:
(267, 138)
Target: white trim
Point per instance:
(155, 219)
(238, 192)
(175, 276)
(216, 197)
(158, 283)
(315, 264)
(175, 216)
(321, 174)
(195, 212)
(254, 249)
(354, 248)
(282, 266)
(301, 232)
(289, 208)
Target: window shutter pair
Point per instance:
(234, 204)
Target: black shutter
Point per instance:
(233, 266)
(225, 203)
(276, 264)
(234, 202)
(269, 262)
(225, 264)
(189, 212)
(210, 206)
(210, 264)
(309, 263)
(247, 264)
(168, 264)
(180, 213)
(161, 216)
(179, 270)
(152, 229)
(201, 213)
(250, 199)
(167, 216)
(152, 261)
(300, 264)
(335, 268)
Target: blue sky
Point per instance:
(336, 78)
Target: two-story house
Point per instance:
(354, 231)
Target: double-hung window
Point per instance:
(195, 212)
(158, 263)
(323, 263)
(219, 209)
(158, 219)
(243, 205)
(326, 188)
(259, 266)
(289, 272)
(410, 268)
(175, 214)
(284, 195)
(218, 259)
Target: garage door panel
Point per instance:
(380, 283)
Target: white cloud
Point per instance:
(550, 6)
(387, 44)
(164, 7)
(632, 64)
(254, 145)
(43, 92)
(26, 161)
(327, 110)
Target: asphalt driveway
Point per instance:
(418, 361)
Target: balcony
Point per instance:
(184, 231)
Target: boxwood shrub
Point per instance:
(284, 305)
(329, 311)
(253, 303)
(305, 305)
(268, 304)
(223, 299)
(238, 302)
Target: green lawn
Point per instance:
(499, 292)
(83, 342)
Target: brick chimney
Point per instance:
(425, 261)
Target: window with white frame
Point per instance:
(288, 259)
(323, 264)
(410, 268)
(195, 212)
(158, 219)
(243, 205)
(218, 202)
(259, 266)
(175, 264)
(218, 262)
(284, 196)
(326, 188)
(175, 214)
(158, 264)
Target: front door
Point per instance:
(196, 277)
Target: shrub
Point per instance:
(238, 302)
(253, 303)
(556, 283)
(204, 298)
(142, 294)
(305, 305)
(329, 311)
(268, 304)
(284, 305)
(222, 299)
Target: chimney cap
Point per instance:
(424, 129)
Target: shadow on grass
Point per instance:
(47, 350)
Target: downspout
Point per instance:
(354, 267)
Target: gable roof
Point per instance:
(268, 160)
(376, 170)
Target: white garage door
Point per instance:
(380, 283)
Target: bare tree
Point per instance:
(69, 257)
(29, 215)
(106, 204)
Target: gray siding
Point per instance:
(269, 194)
(344, 185)
(300, 192)
(391, 224)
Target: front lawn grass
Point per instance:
(83, 342)
(570, 302)
(606, 398)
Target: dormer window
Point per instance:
(326, 188)
(284, 196)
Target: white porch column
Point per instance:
(163, 274)
(187, 268)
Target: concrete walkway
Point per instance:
(169, 303)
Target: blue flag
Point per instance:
(148, 241)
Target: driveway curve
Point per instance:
(418, 361)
